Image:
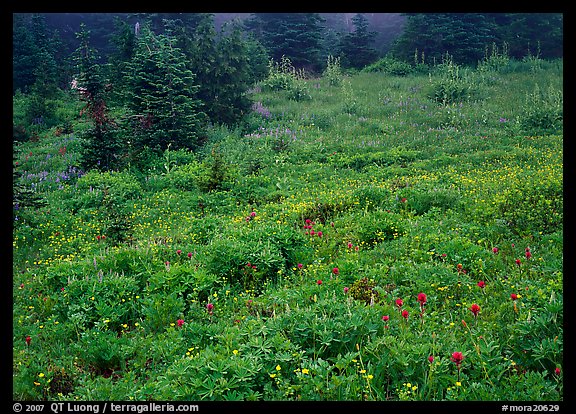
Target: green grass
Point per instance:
(410, 196)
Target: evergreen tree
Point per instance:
(102, 148)
(464, 36)
(297, 36)
(356, 47)
(532, 33)
(124, 43)
(33, 55)
(161, 94)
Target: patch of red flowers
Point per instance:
(475, 309)
(210, 308)
(422, 298)
(457, 358)
(180, 322)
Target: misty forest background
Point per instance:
(218, 57)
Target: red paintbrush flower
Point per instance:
(475, 309)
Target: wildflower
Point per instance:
(253, 214)
(513, 296)
(235, 352)
(210, 308)
(481, 284)
(346, 289)
(278, 367)
(528, 254)
(518, 262)
(458, 384)
(178, 252)
(319, 282)
(319, 234)
(431, 358)
(385, 318)
(300, 265)
(399, 302)
(336, 271)
(350, 245)
(405, 314)
(28, 340)
(557, 371)
(403, 200)
(475, 309)
(422, 298)
(495, 250)
(305, 371)
(457, 358)
(180, 322)
(190, 254)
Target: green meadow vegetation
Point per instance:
(388, 234)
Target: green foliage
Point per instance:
(495, 61)
(453, 85)
(390, 66)
(543, 111)
(333, 72)
(282, 76)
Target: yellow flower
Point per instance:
(272, 375)
(278, 367)
(305, 371)
(235, 352)
(458, 384)
(41, 375)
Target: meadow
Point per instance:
(375, 238)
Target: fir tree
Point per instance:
(297, 36)
(102, 148)
(161, 93)
(356, 47)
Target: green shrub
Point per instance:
(542, 112)
(452, 84)
(379, 226)
(390, 66)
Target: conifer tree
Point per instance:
(356, 47)
(161, 93)
(102, 148)
(297, 36)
